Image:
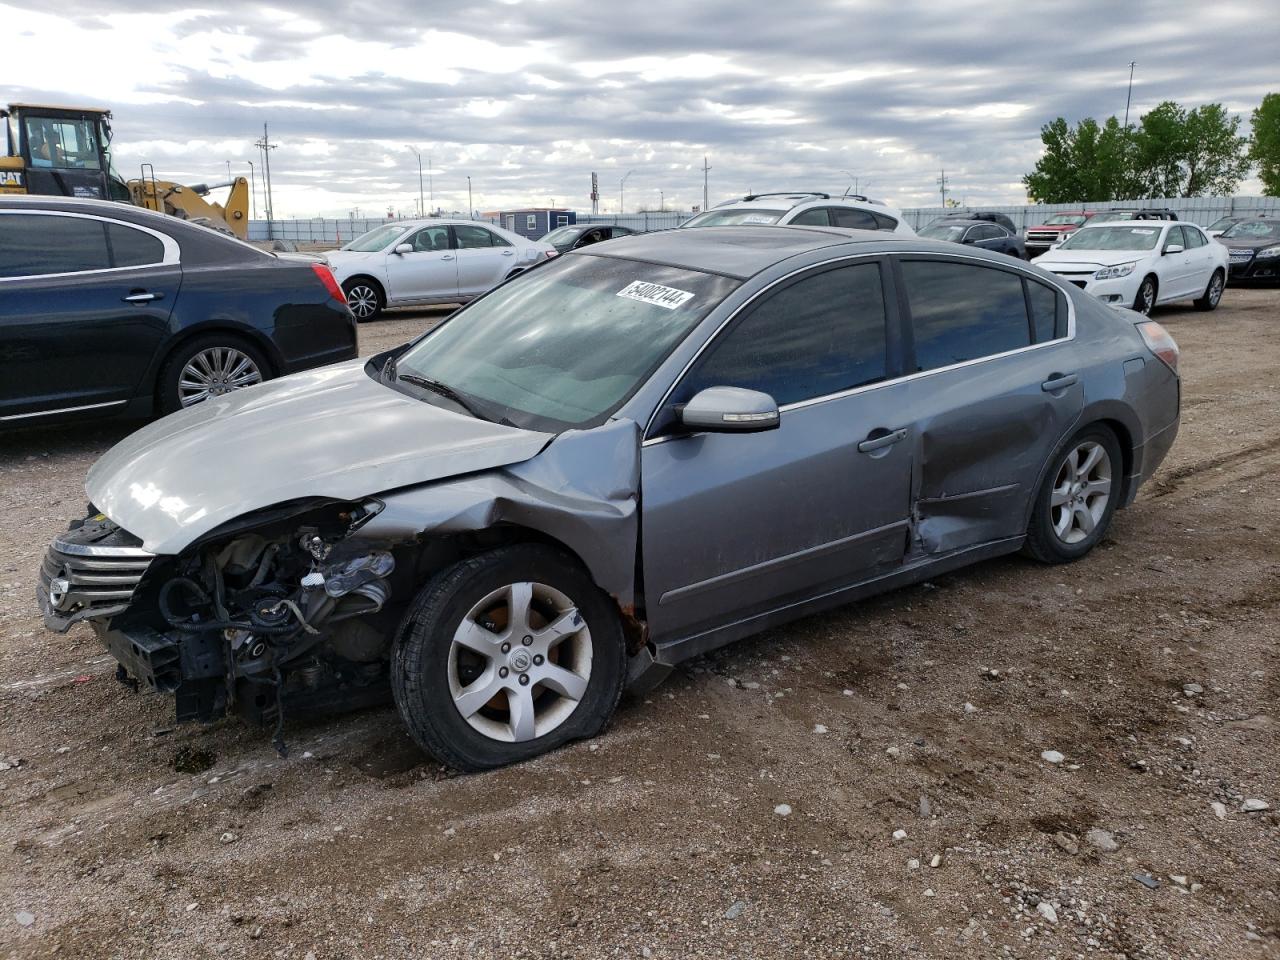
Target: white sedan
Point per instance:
(415, 262)
(1140, 263)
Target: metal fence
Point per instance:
(1201, 210)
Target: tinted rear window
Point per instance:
(962, 312)
(33, 245)
(133, 248)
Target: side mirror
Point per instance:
(1173, 248)
(730, 410)
(403, 248)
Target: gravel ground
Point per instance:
(870, 782)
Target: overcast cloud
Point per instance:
(529, 98)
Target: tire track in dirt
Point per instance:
(1266, 453)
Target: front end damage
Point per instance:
(292, 609)
(284, 615)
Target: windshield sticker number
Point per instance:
(1142, 233)
(758, 218)
(669, 298)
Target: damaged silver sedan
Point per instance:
(627, 457)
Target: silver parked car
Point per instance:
(634, 454)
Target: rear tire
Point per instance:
(365, 298)
(1078, 497)
(1213, 292)
(221, 363)
(478, 691)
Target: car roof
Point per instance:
(969, 221)
(739, 252)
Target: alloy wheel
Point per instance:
(362, 300)
(1215, 289)
(214, 372)
(520, 662)
(1081, 492)
(1146, 297)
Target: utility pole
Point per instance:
(422, 210)
(431, 187)
(621, 187)
(705, 170)
(266, 146)
(471, 210)
(662, 201)
(1129, 96)
(253, 191)
(942, 186)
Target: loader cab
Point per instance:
(59, 152)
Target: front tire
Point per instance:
(1078, 497)
(365, 299)
(1146, 297)
(1213, 292)
(505, 656)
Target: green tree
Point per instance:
(1264, 149)
(1190, 153)
(1172, 153)
(1080, 164)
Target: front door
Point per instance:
(84, 305)
(996, 391)
(1177, 270)
(484, 259)
(735, 525)
(428, 272)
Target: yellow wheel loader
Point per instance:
(65, 152)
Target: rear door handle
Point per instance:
(1060, 382)
(884, 440)
(508, 253)
(142, 297)
(447, 256)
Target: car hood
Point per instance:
(334, 432)
(1076, 259)
(1248, 243)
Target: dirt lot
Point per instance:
(924, 711)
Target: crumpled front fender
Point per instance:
(582, 490)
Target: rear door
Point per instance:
(428, 272)
(84, 306)
(995, 391)
(484, 258)
(734, 525)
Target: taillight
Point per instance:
(330, 284)
(1160, 343)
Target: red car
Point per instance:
(1058, 227)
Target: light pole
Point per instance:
(1129, 96)
(422, 210)
(471, 214)
(662, 202)
(622, 186)
(253, 191)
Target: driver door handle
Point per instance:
(142, 297)
(872, 444)
(447, 256)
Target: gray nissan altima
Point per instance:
(623, 458)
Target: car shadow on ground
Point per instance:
(78, 439)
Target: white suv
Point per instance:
(802, 208)
(409, 262)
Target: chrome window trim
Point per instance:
(50, 413)
(920, 374)
(172, 252)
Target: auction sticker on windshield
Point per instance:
(655, 293)
(1141, 232)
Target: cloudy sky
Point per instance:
(529, 97)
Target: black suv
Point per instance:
(109, 309)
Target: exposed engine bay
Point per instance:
(290, 616)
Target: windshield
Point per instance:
(733, 217)
(945, 231)
(568, 343)
(1111, 215)
(68, 144)
(1253, 230)
(1065, 220)
(375, 239)
(1221, 224)
(1113, 238)
(562, 235)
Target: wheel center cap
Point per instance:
(520, 660)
